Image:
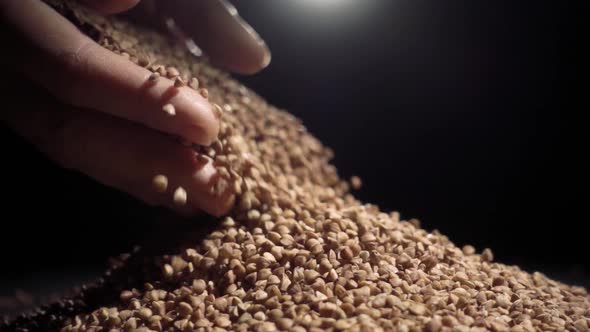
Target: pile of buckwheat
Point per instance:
(298, 252)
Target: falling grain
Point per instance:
(160, 183)
(169, 109)
(180, 196)
(178, 82)
(356, 182)
(194, 83)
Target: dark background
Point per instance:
(459, 113)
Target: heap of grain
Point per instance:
(298, 252)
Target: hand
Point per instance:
(120, 135)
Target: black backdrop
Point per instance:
(458, 113)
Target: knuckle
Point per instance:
(74, 58)
(76, 68)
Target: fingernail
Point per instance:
(267, 56)
(231, 9)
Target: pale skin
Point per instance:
(120, 136)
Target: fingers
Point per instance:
(122, 155)
(110, 6)
(82, 73)
(222, 34)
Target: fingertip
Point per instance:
(222, 205)
(259, 59)
(202, 124)
(265, 59)
(196, 181)
(254, 54)
(205, 199)
(222, 34)
(108, 7)
(203, 133)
